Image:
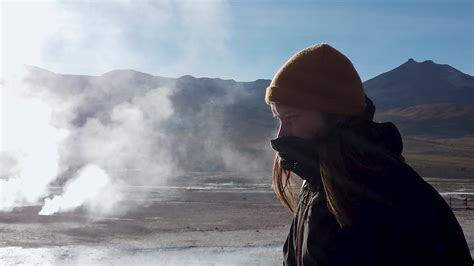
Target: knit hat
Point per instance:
(320, 78)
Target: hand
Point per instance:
(298, 155)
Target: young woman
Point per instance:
(360, 203)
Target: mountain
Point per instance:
(425, 98)
(414, 83)
(228, 124)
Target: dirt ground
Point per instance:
(188, 227)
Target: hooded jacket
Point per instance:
(419, 229)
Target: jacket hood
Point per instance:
(388, 135)
(383, 134)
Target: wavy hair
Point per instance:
(351, 170)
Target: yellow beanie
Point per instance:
(320, 78)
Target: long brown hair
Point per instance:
(342, 153)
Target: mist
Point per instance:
(136, 128)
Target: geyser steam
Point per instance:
(91, 186)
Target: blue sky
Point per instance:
(376, 35)
(241, 40)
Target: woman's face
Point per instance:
(297, 122)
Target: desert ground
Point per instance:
(440, 157)
(232, 224)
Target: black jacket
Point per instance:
(420, 229)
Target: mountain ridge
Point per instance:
(413, 91)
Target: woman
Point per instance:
(360, 203)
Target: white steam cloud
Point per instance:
(41, 145)
(28, 149)
(130, 138)
(92, 187)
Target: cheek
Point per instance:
(310, 128)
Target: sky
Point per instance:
(242, 40)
